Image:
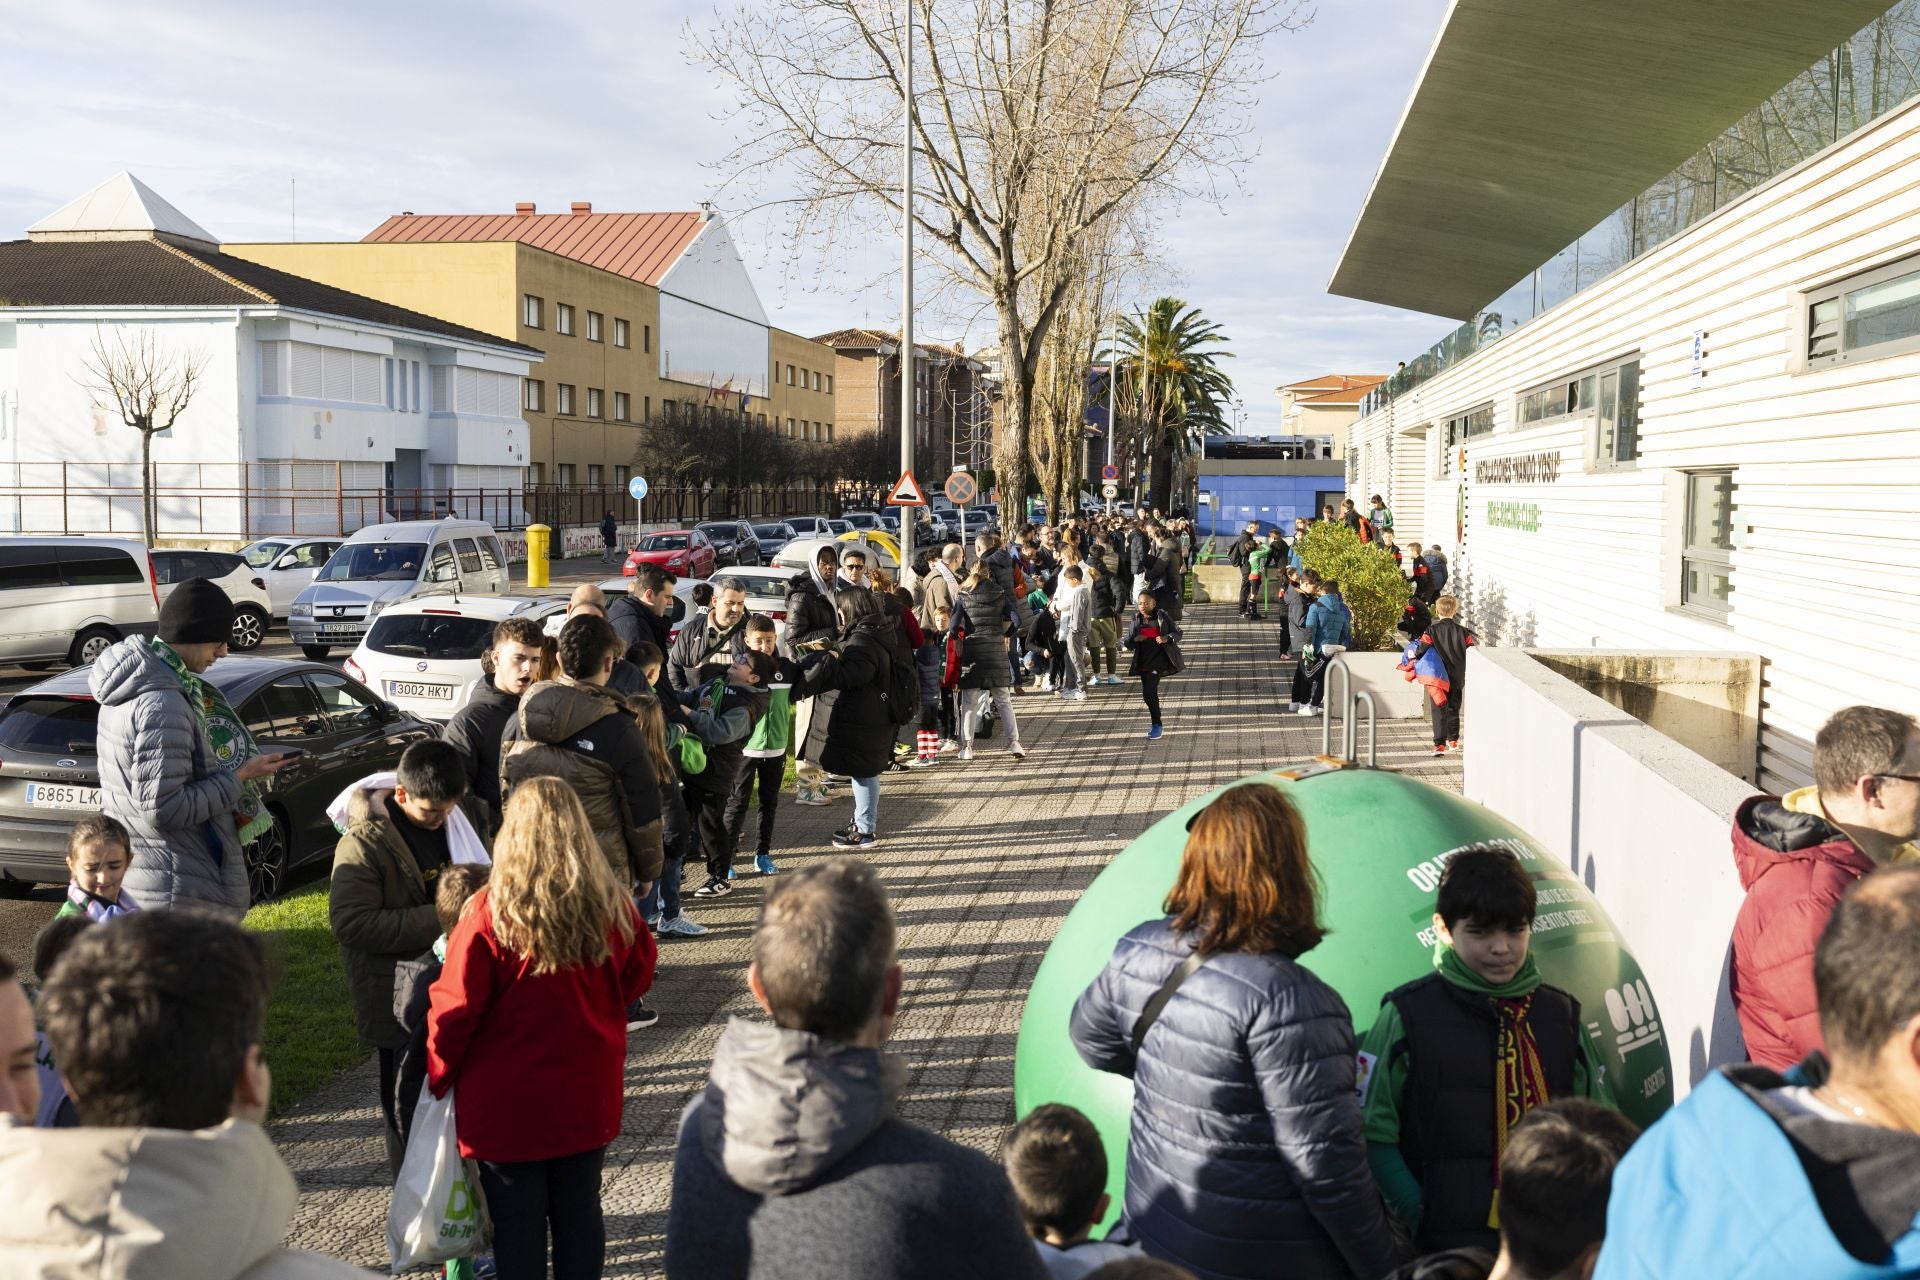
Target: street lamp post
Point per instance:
(907, 362)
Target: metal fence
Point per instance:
(229, 501)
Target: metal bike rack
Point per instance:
(1349, 702)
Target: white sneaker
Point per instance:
(949, 747)
(1016, 750)
(1078, 695)
(1046, 684)
(1307, 711)
(966, 753)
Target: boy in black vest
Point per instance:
(1458, 1057)
(722, 711)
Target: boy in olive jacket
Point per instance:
(380, 900)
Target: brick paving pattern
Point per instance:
(983, 860)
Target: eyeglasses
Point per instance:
(1900, 777)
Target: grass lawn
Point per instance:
(310, 1036)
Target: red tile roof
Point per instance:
(1347, 395)
(640, 246)
(1337, 382)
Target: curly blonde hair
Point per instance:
(554, 898)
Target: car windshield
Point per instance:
(51, 726)
(375, 562)
(431, 635)
(664, 542)
(262, 554)
(772, 531)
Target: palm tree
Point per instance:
(1167, 373)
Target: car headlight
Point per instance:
(300, 611)
(375, 608)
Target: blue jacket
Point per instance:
(1329, 621)
(1718, 1188)
(1245, 1150)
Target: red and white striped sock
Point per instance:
(928, 741)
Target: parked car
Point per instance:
(289, 565)
(974, 521)
(65, 599)
(252, 605)
(384, 564)
(50, 773)
(766, 588)
(424, 655)
(682, 603)
(684, 553)
(797, 556)
(866, 521)
(772, 537)
(733, 541)
(812, 527)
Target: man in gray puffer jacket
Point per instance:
(159, 773)
(792, 1165)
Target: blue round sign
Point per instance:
(637, 487)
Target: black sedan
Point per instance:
(733, 542)
(49, 773)
(772, 537)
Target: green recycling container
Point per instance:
(1379, 840)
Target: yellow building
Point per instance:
(640, 315)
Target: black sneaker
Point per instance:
(714, 888)
(854, 839)
(639, 1017)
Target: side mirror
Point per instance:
(285, 562)
(443, 573)
(385, 713)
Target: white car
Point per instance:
(614, 587)
(797, 556)
(423, 654)
(287, 564)
(252, 604)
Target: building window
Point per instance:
(563, 474)
(1706, 557)
(1557, 399)
(416, 386)
(789, 375)
(563, 397)
(646, 337)
(622, 336)
(563, 318)
(594, 322)
(1455, 432)
(389, 399)
(1875, 313)
(620, 478)
(536, 474)
(816, 380)
(535, 398)
(829, 433)
(622, 406)
(530, 311)
(646, 409)
(596, 475)
(830, 384)
(594, 398)
(1616, 437)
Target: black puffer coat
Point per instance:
(810, 616)
(1245, 1157)
(983, 660)
(851, 732)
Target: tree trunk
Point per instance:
(147, 511)
(1160, 487)
(1010, 451)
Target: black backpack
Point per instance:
(901, 692)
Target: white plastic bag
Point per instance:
(436, 1213)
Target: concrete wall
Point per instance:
(1640, 818)
(1709, 703)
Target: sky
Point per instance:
(262, 122)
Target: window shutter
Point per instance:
(307, 381)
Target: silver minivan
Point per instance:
(65, 599)
(383, 563)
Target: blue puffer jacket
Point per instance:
(930, 663)
(1245, 1156)
(158, 775)
(1329, 621)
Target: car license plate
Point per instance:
(410, 689)
(62, 795)
(339, 628)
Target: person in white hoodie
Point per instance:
(1073, 606)
(156, 1021)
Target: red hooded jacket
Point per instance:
(1794, 866)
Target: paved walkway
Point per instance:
(982, 859)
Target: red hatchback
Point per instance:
(684, 553)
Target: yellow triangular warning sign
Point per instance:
(907, 492)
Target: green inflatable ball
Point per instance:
(1379, 841)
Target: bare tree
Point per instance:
(1039, 121)
(150, 386)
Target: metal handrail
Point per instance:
(1350, 700)
(1336, 668)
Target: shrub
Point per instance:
(1371, 584)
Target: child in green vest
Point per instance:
(1458, 1057)
(766, 752)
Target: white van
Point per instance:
(65, 599)
(383, 563)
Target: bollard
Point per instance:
(539, 542)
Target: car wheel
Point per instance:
(316, 652)
(266, 858)
(12, 889)
(249, 629)
(90, 644)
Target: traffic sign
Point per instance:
(1111, 489)
(637, 487)
(961, 489)
(1109, 472)
(906, 492)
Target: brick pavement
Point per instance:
(982, 859)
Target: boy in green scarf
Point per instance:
(1458, 1057)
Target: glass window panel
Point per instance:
(346, 704)
(1710, 511)
(1608, 246)
(1708, 585)
(1559, 277)
(1884, 312)
(1823, 329)
(1626, 438)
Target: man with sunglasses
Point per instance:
(1799, 852)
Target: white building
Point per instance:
(1697, 425)
(314, 408)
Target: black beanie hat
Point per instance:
(198, 612)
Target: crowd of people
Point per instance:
(501, 897)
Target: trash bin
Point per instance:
(539, 543)
(1379, 840)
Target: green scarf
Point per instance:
(1456, 971)
(232, 744)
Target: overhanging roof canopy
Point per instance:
(1535, 119)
